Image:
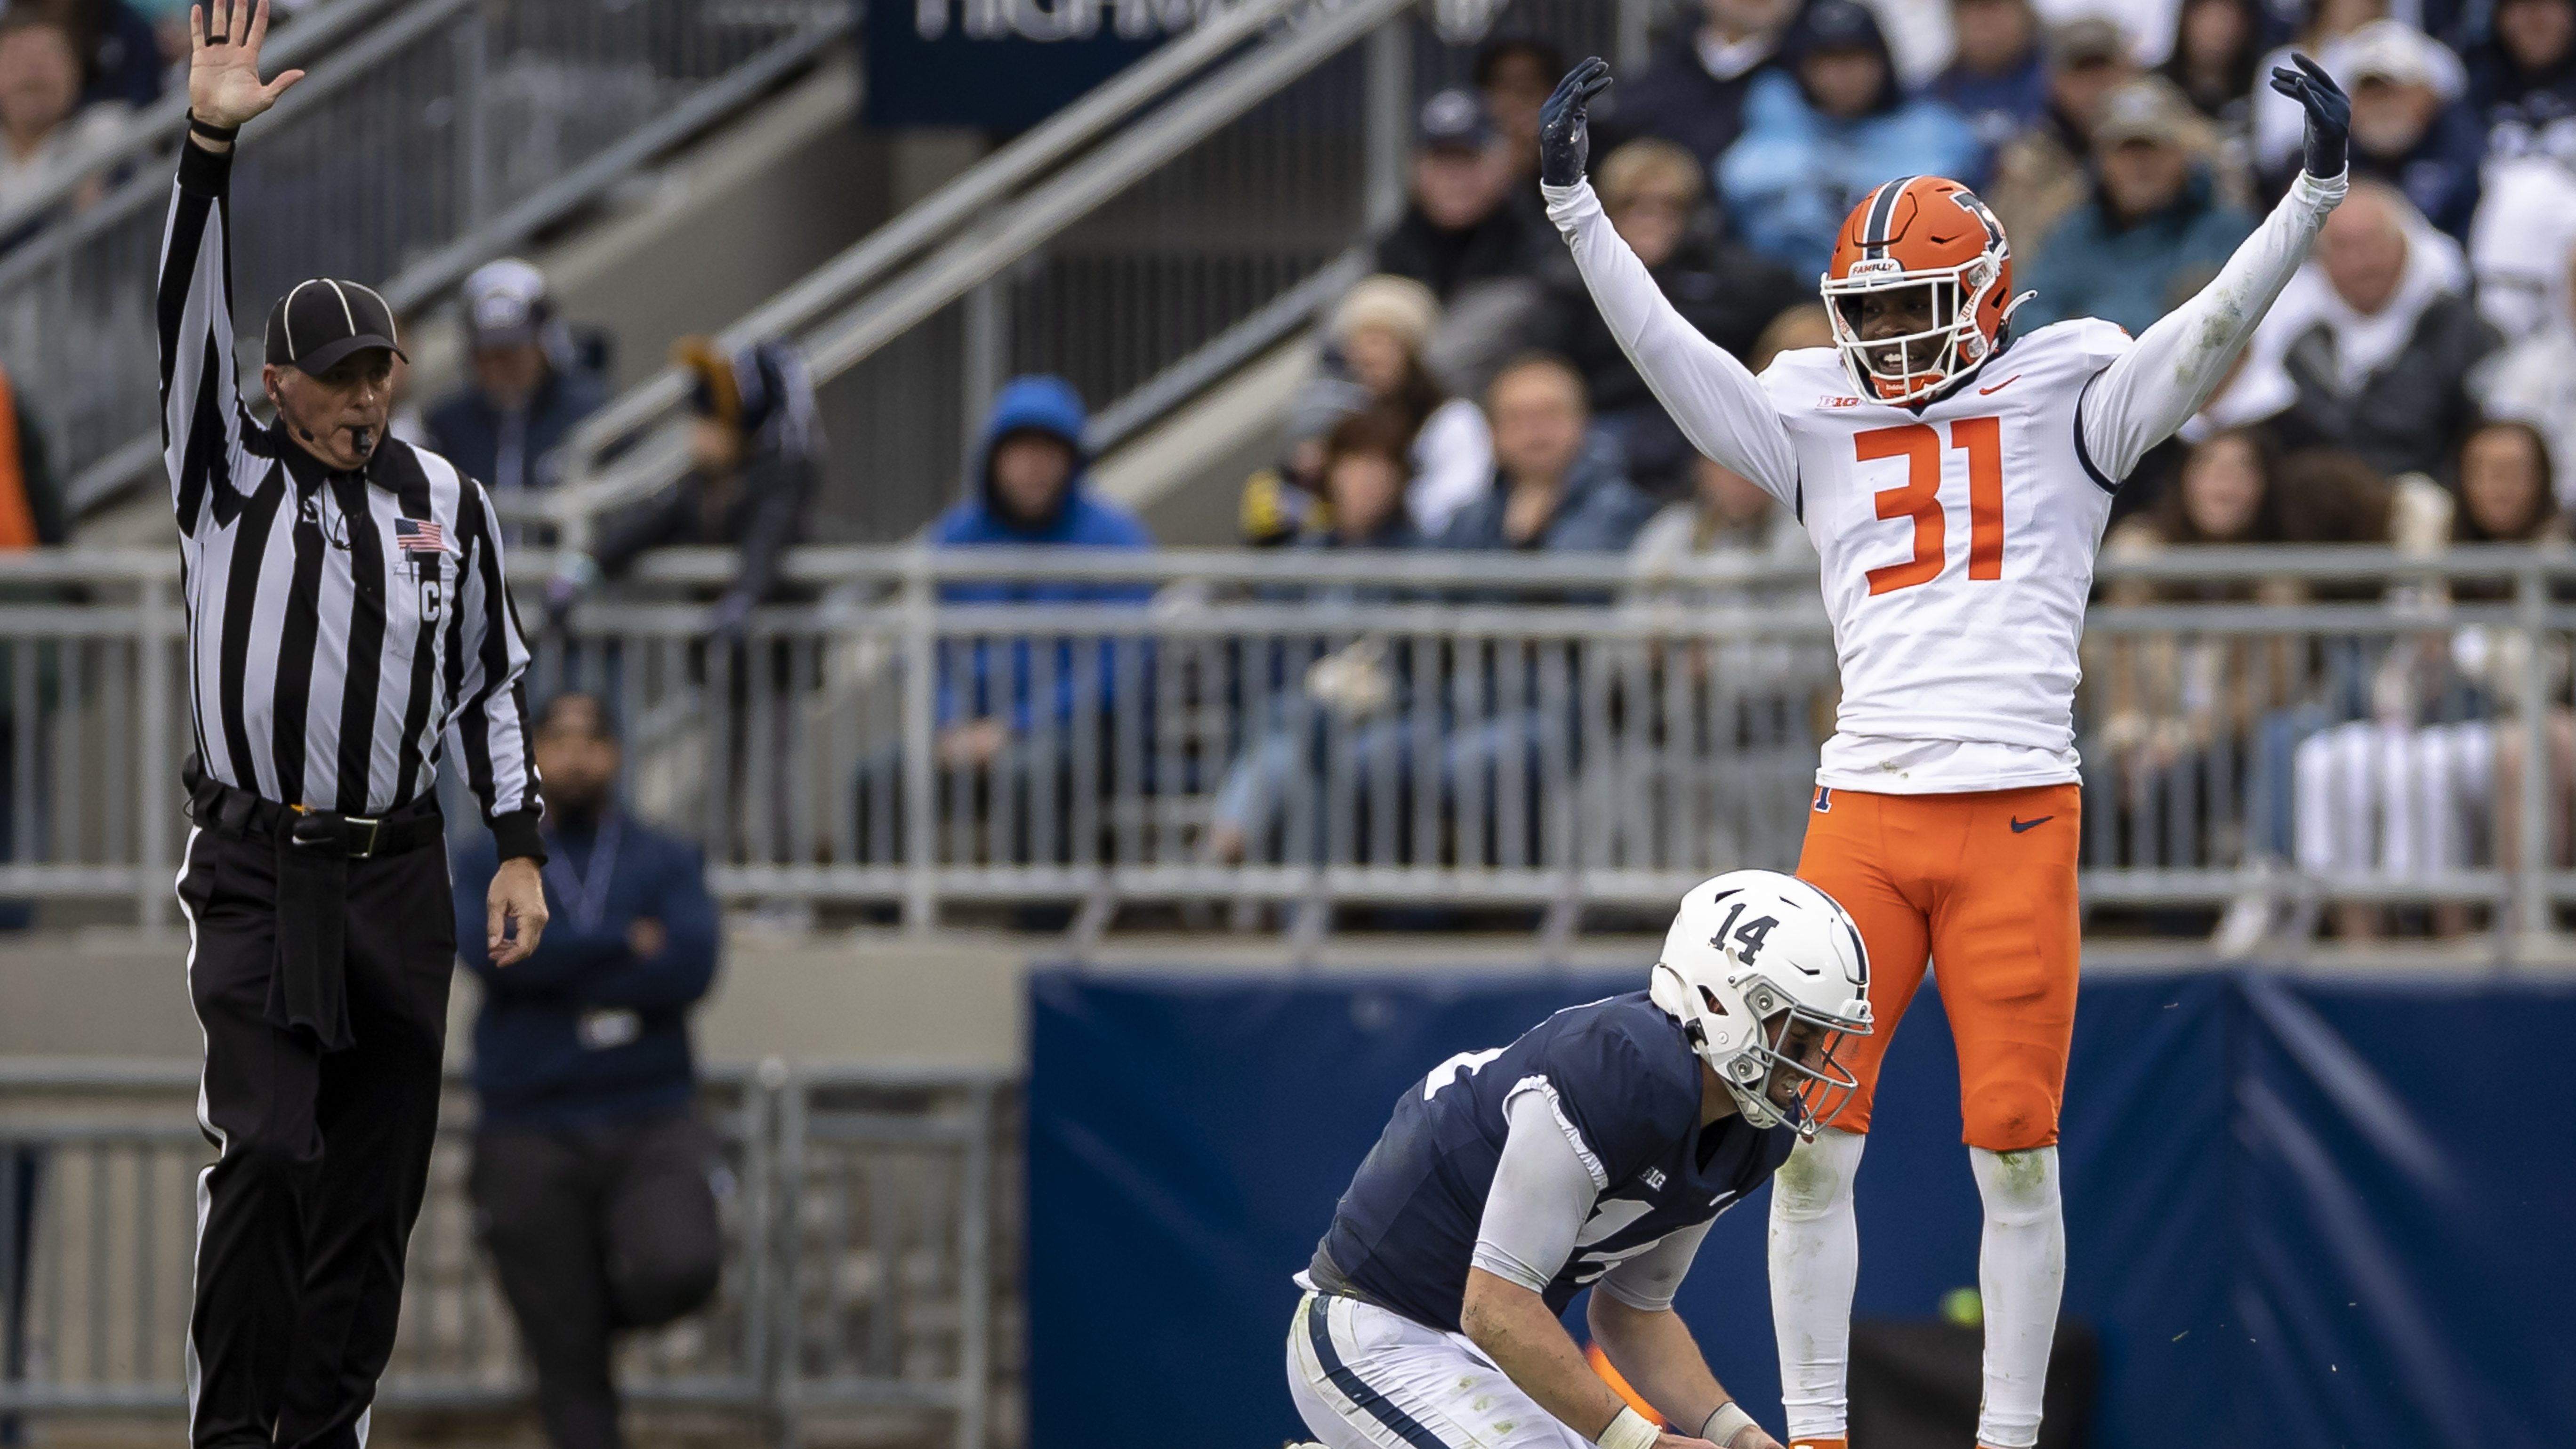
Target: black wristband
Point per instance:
(210, 132)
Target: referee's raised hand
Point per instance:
(224, 88)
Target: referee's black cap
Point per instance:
(320, 321)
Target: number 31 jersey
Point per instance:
(1957, 548)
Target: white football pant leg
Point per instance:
(1815, 1260)
(2021, 1268)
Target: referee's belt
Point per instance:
(309, 989)
(238, 812)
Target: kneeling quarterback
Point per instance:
(1594, 1151)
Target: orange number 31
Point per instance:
(1919, 498)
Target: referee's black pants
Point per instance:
(303, 1218)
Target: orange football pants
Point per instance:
(1984, 884)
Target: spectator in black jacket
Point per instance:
(1693, 88)
(508, 428)
(593, 1178)
(2380, 354)
(2522, 78)
(1461, 228)
(755, 447)
(1654, 193)
(1514, 73)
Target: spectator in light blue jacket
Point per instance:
(1818, 137)
(2151, 227)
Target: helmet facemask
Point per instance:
(1799, 1042)
(1889, 369)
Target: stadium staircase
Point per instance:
(1166, 243)
(428, 137)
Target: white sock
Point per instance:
(1815, 1259)
(2021, 1266)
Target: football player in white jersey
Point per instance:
(1956, 479)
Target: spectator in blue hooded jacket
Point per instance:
(1029, 486)
(2151, 228)
(1819, 137)
(593, 1178)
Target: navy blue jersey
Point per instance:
(1625, 1079)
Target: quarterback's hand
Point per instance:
(224, 88)
(1670, 1440)
(2329, 113)
(1751, 1436)
(1564, 135)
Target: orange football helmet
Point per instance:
(1920, 231)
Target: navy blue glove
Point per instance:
(2329, 113)
(1564, 140)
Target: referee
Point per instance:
(346, 615)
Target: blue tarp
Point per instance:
(2301, 1213)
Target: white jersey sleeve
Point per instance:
(2154, 387)
(1715, 399)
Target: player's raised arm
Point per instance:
(2157, 385)
(1713, 397)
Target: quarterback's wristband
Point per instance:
(1630, 1430)
(211, 131)
(1725, 1424)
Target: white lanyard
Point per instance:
(586, 894)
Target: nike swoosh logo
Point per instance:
(2019, 825)
(1999, 387)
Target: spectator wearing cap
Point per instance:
(755, 455)
(1998, 76)
(1382, 330)
(2330, 27)
(2408, 127)
(1513, 74)
(2153, 218)
(1820, 135)
(2039, 176)
(1654, 195)
(1693, 89)
(2376, 337)
(508, 427)
(47, 137)
(2522, 77)
(1458, 228)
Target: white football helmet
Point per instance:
(1757, 961)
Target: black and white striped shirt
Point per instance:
(341, 626)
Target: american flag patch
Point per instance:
(416, 535)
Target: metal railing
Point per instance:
(1198, 208)
(444, 134)
(1232, 729)
(865, 1215)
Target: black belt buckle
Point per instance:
(375, 828)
